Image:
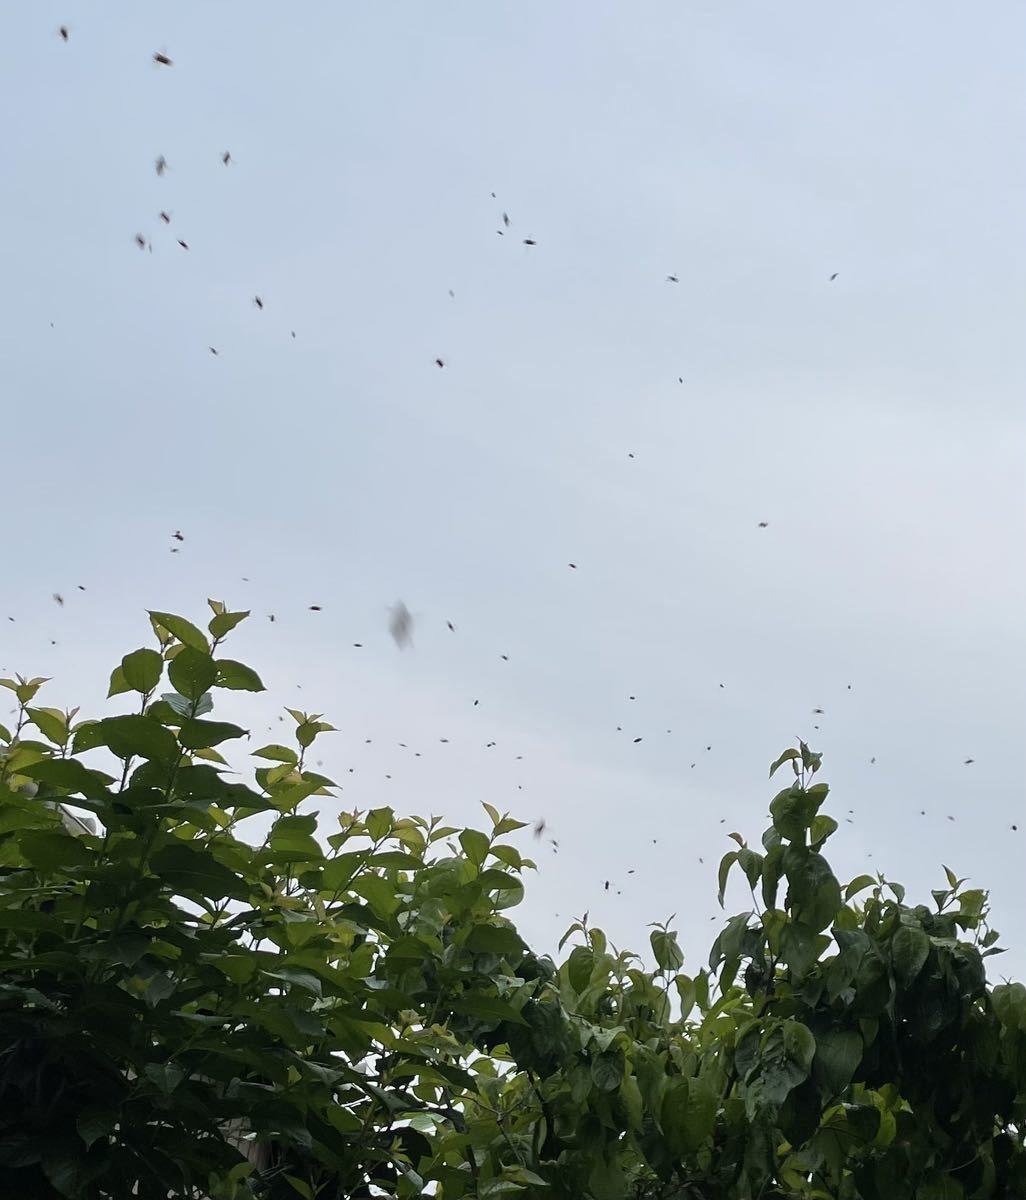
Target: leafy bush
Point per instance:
(350, 1013)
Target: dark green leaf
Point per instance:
(142, 669)
(475, 845)
(138, 735)
(909, 951)
(192, 672)
(49, 850)
(197, 735)
(237, 676)
(607, 1070)
(183, 630)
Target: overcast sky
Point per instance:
(875, 421)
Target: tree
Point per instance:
(357, 1007)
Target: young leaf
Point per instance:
(142, 670)
(183, 630)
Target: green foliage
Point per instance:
(216, 967)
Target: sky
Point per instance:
(838, 195)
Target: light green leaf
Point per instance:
(192, 672)
(237, 676)
(183, 630)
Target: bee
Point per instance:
(439, 362)
(834, 276)
(140, 241)
(160, 166)
(315, 608)
(539, 827)
(636, 740)
(59, 598)
(184, 245)
(165, 217)
(258, 302)
(212, 351)
(764, 524)
(530, 242)
(673, 279)
(505, 220)
(162, 59)
(226, 158)
(452, 627)
(178, 535)
(63, 31)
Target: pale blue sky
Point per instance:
(876, 422)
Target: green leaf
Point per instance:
(224, 622)
(196, 735)
(277, 753)
(838, 1053)
(726, 862)
(180, 866)
(297, 1184)
(487, 1008)
(378, 822)
(475, 845)
(142, 670)
(118, 682)
(137, 735)
(192, 672)
(607, 1070)
(51, 723)
(910, 949)
(799, 1044)
(668, 953)
(237, 676)
(495, 939)
(183, 630)
(787, 756)
(858, 884)
(94, 1122)
(48, 850)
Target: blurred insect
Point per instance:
(161, 165)
(80, 587)
(59, 598)
(258, 302)
(63, 31)
(226, 158)
(672, 279)
(764, 524)
(817, 712)
(539, 827)
(968, 761)
(140, 241)
(178, 536)
(184, 245)
(270, 617)
(607, 885)
(212, 351)
(834, 276)
(162, 59)
(505, 220)
(165, 217)
(400, 624)
(315, 608)
(439, 362)
(636, 740)
(530, 242)
(504, 657)
(572, 566)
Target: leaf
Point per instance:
(142, 670)
(298, 1185)
(94, 1122)
(237, 676)
(488, 1008)
(181, 866)
(277, 753)
(224, 622)
(495, 939)
(192, 672)
(475, 845)
(607, 1070)
(196, 735)
(858, 885)
(838, 1053)
(799, 1044)
(138, 735)
(48, 850)
(183, 630)
(51, 723)
(118, 682)
(910, 949)
(787, 756)
(726, 862)
(668, 953)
